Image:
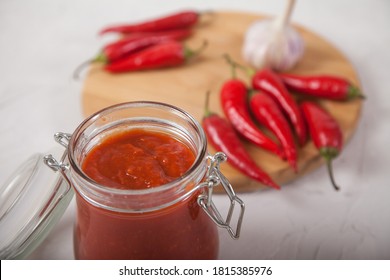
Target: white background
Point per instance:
(41, 43)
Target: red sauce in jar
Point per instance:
(139, 159)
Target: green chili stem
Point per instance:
(329, 153)
(207, 112)
(189, 53)
(248, 71)
(99, 58)
(330, 172)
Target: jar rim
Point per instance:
(197, 163)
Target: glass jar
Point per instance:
(177, 220)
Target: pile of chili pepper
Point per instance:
(151, 44)
(269, 103)
(323, 128)
(223, 136)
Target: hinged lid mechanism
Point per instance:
(31, 202)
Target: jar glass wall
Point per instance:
(164, 222)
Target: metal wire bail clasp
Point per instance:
(61, 166)
(214, 178)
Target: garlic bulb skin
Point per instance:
(268, 44)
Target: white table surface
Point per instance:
(41, 43)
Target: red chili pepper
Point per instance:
(324, 86)
(224, 138)
(270, 83)
(183, 19)
(325, 132)
(268, 113)
(234, 103)
(132, 44)
(165, 54)
(234, 100)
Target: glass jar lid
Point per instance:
(31, 202)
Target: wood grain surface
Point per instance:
(185, 86)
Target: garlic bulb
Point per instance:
(273, 43)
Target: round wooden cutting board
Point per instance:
(186, 86)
